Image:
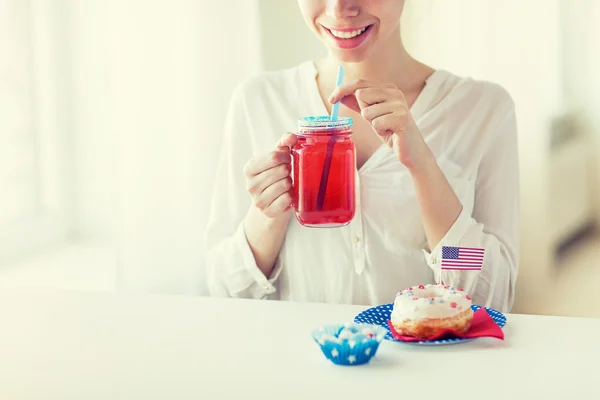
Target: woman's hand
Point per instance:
(268, 179)
(385, 108)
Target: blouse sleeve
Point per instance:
(230, 265)
(492, 225)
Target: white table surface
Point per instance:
(85, 345)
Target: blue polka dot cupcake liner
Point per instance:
(349, 344)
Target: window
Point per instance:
(32, 204)
(18, 176)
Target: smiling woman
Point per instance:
(429, 144)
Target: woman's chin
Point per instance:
(350, 56)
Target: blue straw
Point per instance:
(330, 145)
(336, 106)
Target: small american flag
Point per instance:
(462, 258)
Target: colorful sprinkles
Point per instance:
(451, 290)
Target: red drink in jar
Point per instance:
(324, 172)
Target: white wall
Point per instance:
(286, 40)
(92, 142)
(581, 59)
(581, 63)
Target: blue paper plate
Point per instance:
(379, 315)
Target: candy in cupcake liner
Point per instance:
(349, 344)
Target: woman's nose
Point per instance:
(341, 9)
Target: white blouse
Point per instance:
(471, 128)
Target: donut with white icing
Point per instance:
(424, 311)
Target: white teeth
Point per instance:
(348, 35)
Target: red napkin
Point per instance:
(482, 326)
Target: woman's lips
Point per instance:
(348, 38)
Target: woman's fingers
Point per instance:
(272, 193)
(281, 155)
(351, 103)
(256, 185)
(388, 124)
(361, 94)
(268, 178)
(258, 165)
(377, 110)
(351, 88)
(279, 205)
(370, 96)
(287, 140)
(347, 89)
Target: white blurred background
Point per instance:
(111, 113)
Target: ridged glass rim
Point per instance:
(323, 123)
